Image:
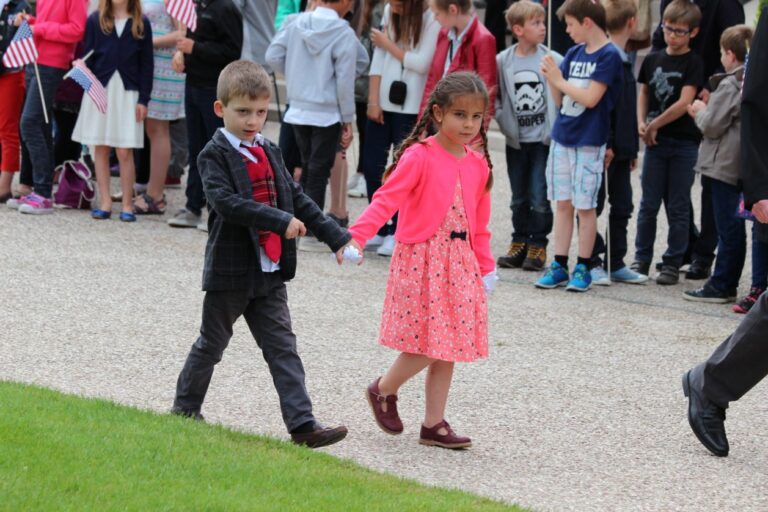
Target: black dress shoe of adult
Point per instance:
(320, 436)
(707, 420)
(186, 413)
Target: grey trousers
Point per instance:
(269, 320)
(740, 362)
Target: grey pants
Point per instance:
(269, 320)
(740, 362)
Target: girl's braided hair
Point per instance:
(445, 92)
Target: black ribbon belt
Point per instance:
(459, 234)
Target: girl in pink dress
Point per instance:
(435, 310)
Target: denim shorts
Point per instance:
(575, 174)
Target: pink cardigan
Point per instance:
(58, 27)
(422, 188)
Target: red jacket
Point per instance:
(58, 27)
(477, 52)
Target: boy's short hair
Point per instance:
(581, 9)
(618, 13)
(684, 12)
(522, 11)
(737, 39)
(243, 78)
(464, 6)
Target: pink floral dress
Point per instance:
(435, 303)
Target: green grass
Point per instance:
(62, 452)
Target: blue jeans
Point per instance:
(667, 176)
(731, 235)
(531, 211)
(201, 125)
(379, 138)
(759, 262)
(35, 133)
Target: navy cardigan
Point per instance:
(130, 57)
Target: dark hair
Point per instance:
(444, 94)
(366, 14)
(463, 5)
(243, 78)
(582, 9)
(407, 27)
(684, 12)
(737, 39)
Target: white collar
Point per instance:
(236, 143)
(458, 39)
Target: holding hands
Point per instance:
(648, 133)
(352, 252)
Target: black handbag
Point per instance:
(398, 90)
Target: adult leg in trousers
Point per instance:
(734, 368)
(269, 320)
(220, 311)
(201, 125)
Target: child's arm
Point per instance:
(675, 111)
(588, 97)
(482, 242)
(718, 115)
(642, 109)
(548, 67)
(69, 32)
(277, 50)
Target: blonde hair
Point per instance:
(243, 78)
(522, 11)
(737, 39)
(107, 18)
(618, 13)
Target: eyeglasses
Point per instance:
(680, 32)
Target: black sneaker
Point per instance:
(669, 275)
(710, 294)
(641, 267)
(697, 271)
(514, 257)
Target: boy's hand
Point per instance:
(185, 45)
(295, 228)
(353, 245)
(609, 154)
(141, 112)
(760, 211)
(704, 96)
(346, 135)
(650, 134)
(641, 128)
(550, 70)
(696, 107)
(178, 62)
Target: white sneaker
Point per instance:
(600, 277)
(185, 219)
(357, 186)
(312, 244)
(374, 243)
(203, 226)
(387, 247)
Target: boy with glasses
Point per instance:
(669, 80)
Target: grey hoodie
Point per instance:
(505, 104)
(320, 57)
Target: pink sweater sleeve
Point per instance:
(387, 200)
(482, 245)
(69, 31)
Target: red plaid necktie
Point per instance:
(264, 191)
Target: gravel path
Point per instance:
(579, 406)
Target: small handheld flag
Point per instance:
(90, 84)
(21, 50)
(184, 11)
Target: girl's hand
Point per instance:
(141, 112)
(380, 39)
(375, 113)
(185, 45)
(351, 245)
(178, 62)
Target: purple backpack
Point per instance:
(75, 186)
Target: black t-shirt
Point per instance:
(666, 75)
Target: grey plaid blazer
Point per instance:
(234, 220)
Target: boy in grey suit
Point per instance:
(256, 211)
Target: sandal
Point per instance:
(152, 207)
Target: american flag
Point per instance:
(90, 84)
(184, 11)
(22, 49)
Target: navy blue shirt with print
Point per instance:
(576, 125)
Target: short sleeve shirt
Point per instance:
(666, 75)
(530, 98)
(576, 125)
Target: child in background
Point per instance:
(57, 28)
(586, 86)
(464, 44)
(525, 111)
(435, 310)
(256, 212)
(121, 39)
(670, 79)
(719, 157)
(11, 100)
(620, 155)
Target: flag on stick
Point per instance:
(21, 50)
(184, 11)
(90, 84)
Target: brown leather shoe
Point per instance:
(388, 421)
(432, 437)
(321, 436)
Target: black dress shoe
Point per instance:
(320, 436)
(195, 415)
(707, 420)
(697, 271)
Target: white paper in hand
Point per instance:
(352, 255)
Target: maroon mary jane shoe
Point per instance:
(388, 421)
(432, 437)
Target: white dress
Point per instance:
(118, 127)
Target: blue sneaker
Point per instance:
(581, 279)
(555, 276)
(627, 275)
